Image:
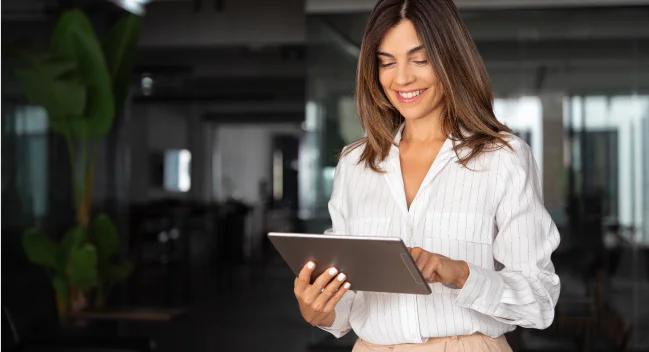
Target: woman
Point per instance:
(439, 171)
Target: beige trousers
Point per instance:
(470, 343)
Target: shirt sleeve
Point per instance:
(525, 291)
(337, 211)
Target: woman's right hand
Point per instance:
(318, 300)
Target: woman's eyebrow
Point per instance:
(410, 52)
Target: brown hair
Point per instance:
(467, 100)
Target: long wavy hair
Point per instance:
(468, 115)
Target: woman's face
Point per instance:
(405, 73)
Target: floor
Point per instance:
(256, 311)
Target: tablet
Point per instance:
(377, 264)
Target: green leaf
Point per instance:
(82, 267)
(75, 38)
(73, 239)
(76, 125)
(61, 288)
(61, 291)
(119, 272)
(103, 235)
(120, 47)
(39, 248)
(52, 82)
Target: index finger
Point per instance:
(325, 278)
(416, 252)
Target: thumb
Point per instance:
(304, 277)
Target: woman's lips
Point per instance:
(410, 100)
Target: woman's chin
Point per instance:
(416, 112)
(412, 115)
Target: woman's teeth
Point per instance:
(411, 94)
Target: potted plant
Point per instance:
(81, 84)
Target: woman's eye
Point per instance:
(386, 64)
(424, 62)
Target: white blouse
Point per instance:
(493, 218)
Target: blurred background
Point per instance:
(149, 146)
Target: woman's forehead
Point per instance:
(400, 39)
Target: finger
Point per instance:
(415, 253)
(331, 304)
(298, 289)
(428, 272)
(304, 278)
(324, 279)
(328, 293)
(435, 265)
(434, 278)
(423, 259)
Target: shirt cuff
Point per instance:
(340, 327)
(482, 290)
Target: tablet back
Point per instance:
(378, 264)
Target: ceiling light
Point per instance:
(133, 6)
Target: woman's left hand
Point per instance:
(438, 268)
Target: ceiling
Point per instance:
(351, 6)
(256, 53)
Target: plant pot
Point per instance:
(62, 309)
(75, 302)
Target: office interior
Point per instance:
(233, 115)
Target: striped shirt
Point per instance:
(492, 217)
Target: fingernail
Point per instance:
(341, 277)
(333, 271)
(310, 265)
(347, 285)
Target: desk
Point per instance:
(131, 314)
(119, 320)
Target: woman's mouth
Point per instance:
(409, 96)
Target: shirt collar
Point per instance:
(397, 137)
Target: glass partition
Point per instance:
(576, 93)
(25, 164)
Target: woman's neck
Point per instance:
(424, 129)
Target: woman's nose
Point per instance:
(404, 75)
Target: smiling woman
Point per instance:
(398, 75)
(437, 170)
(417, 57)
